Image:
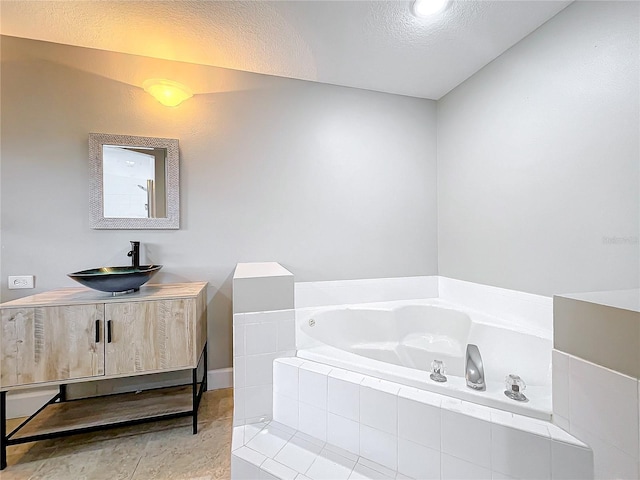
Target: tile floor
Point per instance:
(159, 450)
(271, 450)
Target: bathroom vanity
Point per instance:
(77, 335)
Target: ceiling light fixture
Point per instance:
(425, 8)
(167, 92)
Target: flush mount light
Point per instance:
(425, 8)
(167, 92)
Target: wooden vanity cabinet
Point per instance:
(48, 344)
(76, 334)
(149, 336)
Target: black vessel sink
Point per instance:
(116, 279)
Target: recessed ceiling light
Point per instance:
(425, 8)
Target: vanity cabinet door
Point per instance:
(149, 336)
(46, 344)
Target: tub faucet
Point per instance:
(474, 369)
(135, 254)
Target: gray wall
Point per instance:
(538, 183)
(332, 182)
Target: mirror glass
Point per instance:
(134, 182)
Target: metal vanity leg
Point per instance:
(204, 366)
(198, 391)
(194, 388)
(63, 393)
(3, 430)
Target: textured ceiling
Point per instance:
(375, 45)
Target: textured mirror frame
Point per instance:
(97, 219)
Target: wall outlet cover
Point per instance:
(20, 281)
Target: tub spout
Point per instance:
(474, 369)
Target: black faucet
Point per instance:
(135, 254)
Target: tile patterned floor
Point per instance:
(159, 450)
(272, 451)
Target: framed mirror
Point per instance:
(134, 182)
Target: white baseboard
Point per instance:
(23, 403)
(220, 378)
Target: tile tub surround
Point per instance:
(332, 423)
(304, 405)
(596, 377)
(600, 407)
(259, 338)
(263, 330)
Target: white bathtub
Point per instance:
(398, 340)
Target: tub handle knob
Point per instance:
(515, 386)
(437, 369)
